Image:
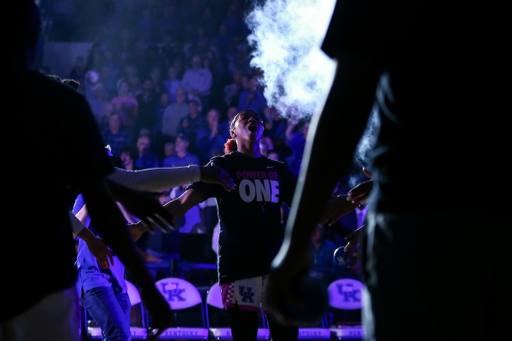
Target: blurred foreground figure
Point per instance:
(433, 74)
(59, 155)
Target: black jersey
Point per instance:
(251, 232)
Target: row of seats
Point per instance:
(345, 294)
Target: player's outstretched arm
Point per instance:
(161, 179)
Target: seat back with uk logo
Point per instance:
(346, 293)
(179, 293)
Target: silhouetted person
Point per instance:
(67, 156)
(433, 74)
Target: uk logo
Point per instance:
(346, 293)
(172, 292)
(246, 294)
(349, 293)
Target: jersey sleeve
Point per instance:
(209, 190)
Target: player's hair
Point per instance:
(230, 146)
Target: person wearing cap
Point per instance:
(182, 157)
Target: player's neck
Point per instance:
(249, 149)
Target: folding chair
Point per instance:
(346, 294)
(182, 297)
(222, 331)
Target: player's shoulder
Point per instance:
(226, 157)
(273, 162)
(278, 165)
(219, 160)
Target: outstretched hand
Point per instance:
(144, 206)
(361, 192)
(217, 175)
(336, 208)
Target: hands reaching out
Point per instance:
(215, 174)
(144, 206)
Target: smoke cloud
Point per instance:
(286, 36)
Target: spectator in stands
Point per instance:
(213, 63)
(111, 61)
(177, 64)
(78, 71)
(170, 20)
(209, 138)
(208, 20)
(182, 157)
(108, 79)
(156, 77)
(163, 102)
(128, 156)
(129, 71)
(266, 145)
(197, 82)
(135, 86)
(172, 83)
(97, 103)
(94, 58)
(168, 150)
(145, 159)
(174, 113)
(321, 252)
(115, 136)
(252, 98)
(147, 22)
(190, 124)
(147, 104)
(126, 106)
(223, 39)
(233, 90)
(239, 62)
(232, 20)
(226, 124)
(296, 140)
(275, 127)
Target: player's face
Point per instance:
(249, 126)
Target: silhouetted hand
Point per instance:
(144, 206)
(361, 192)
(215, 174)
(336, 208)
